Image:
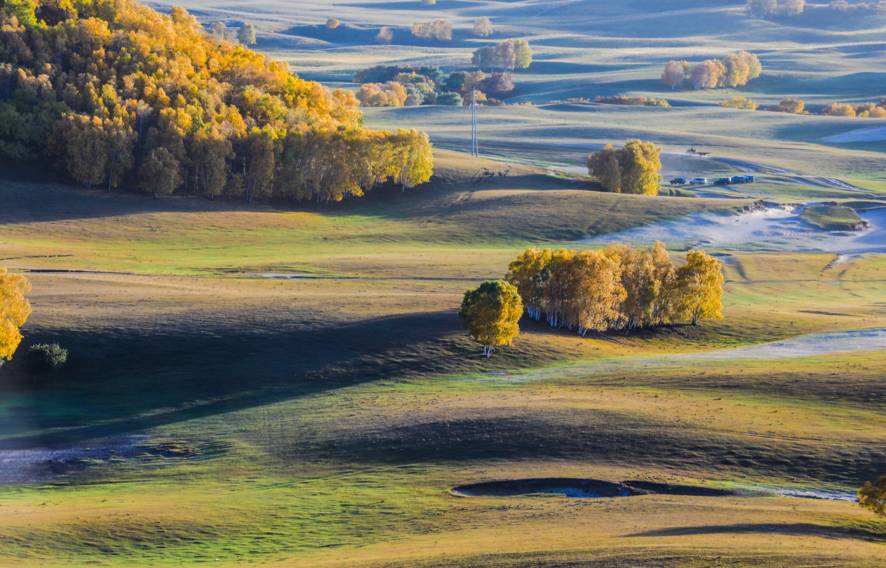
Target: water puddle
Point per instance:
(576, 488)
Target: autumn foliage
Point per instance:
(873, 496)
(116, 93)
(619, 288)
(491, 314)
(635, 168)
(735, 70)
(14, 311)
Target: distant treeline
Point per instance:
(787, 8)
(734, 70)
(794, 105)
(619, 288)
(116, 93)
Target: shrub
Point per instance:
(385, 35)
(839, 109)
(47, 355)
(483, 27)
(740, 102)
(632, 101)
(791, 105)
(873, 496)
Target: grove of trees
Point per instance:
(439, 30)
(509, 54)
(381, 86)
(635, 168)
(116, 93)
(14, 311)
(491, 314)
(873, 496)
(619, 288)
(734, 70)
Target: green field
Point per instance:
(290, 385)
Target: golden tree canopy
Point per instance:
(873, 496)
(14, 311)
(492, 313)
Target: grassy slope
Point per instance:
(344, 454)
(321, 422)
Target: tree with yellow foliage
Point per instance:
(620, 288)
(117, 94)
(491, 314)
(698, 287)
(635, 168)
(597, 300)
(14, 311)
(529, 273)
(873, 496)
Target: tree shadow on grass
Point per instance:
(123, 381)
(794, 529)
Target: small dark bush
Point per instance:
(47, 355)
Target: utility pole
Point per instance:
(475, 143)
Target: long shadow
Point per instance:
(122, 381)
(599, 436)
(796, 529)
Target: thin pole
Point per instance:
(475, 143)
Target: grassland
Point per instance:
(291, 386)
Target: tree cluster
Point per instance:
(117, 93)
(509, 54)
(413, 86)
(439, 30)
(866, 110)
(775, 8)
(635, 168)
(794, 105)
(14, 311)
(619, 288)
(735, 70)
(492, 314)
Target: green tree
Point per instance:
(246, 34)
(160, 173)
(507, 54)
(873, 496)
(491, 314)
